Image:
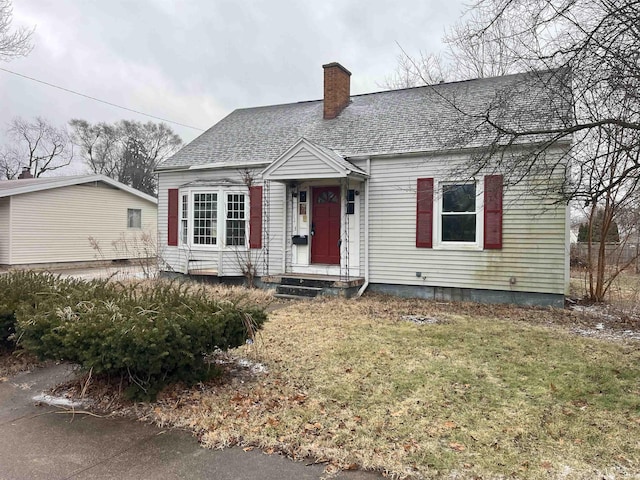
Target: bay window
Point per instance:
(210, 218)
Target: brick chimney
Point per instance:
(337, 89)
(26, 173)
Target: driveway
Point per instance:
(44, 442)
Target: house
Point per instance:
(61, 220)
(368, 192)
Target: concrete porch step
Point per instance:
(298, 281)
(311, 285)
(298, 291)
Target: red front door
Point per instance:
(325, 246)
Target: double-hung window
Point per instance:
(236, 225)
(184, 220)
(212, 218)
(458, 213)
(205, 218)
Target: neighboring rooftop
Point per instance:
(9, 188)
(421, 119)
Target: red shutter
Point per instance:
(424, 213)
(493, 212)
(255, 217)
(172, 225)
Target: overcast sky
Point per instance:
(194, 61)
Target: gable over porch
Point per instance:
(323, 210)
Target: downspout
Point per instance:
(366, 231)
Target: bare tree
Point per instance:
(13, 42)
(145, 146)
(99, 145)
(126, 151)
(8, 168)
(37, 146)
(424, 69)
(604, 258)
(584, 76)
(597, 42)
(465, 56)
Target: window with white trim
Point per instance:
(205, 218)
(458, 213)
(184, 219)
(213, 218)
(134, 218)
(236, 225)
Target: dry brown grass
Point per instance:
(487, 392)
(14, 362)
(622, 299)
(235, 294)
(624, 291)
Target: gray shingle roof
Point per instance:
(422, 119)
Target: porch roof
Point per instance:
(306, 160)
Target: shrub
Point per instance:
(26, 288)
(148, 335)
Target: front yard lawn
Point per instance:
(426, 390)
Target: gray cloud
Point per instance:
(195, 61)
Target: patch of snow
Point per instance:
(57, 401)
(420, 320)
(254, 367)
(594, 310)
(607, 334)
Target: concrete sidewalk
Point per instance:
(43, 442)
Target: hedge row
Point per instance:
(148, 335)
(24, 289)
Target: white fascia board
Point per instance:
(278, 178)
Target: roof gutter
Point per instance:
(217, 166)
(170, 169)
(424, 153)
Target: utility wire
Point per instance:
(98, 100)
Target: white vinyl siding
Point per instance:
(5, 215)
(362, 165)
(223, 259)
(304, 164)
(56, 225)
(533, 253)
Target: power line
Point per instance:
(99, 100)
